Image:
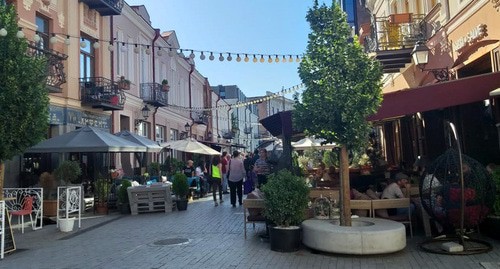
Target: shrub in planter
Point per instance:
(68, 172)
(180, 188)
(123, 196)
(286, 200)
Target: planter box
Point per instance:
(153, 198)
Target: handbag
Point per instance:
(228, 169)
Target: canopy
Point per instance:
(190, 145)
(151, 146)
(307, 142)
(86, 139)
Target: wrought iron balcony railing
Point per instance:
(397, 31)
(99, 92)
(200, 117)
(55, 66)
(153, 94)
(227, 134)
(105, 7)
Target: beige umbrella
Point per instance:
(190, 145)
(307, 143)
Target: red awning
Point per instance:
(436, 96)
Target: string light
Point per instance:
(53, 39)
(123, 48)
(159, 52)
(83, 44)
(171, 52)
(36, 38)
(211, 57)
(202, 56)
(110, 46)
(3, 32)
(254, 59)
(20, 33)
(246, 58)
(269, 60)
(192, 56)
(67, 41)
(148, 50)
(238, 58)
(229, 58)
(136, 49)
(262, 58)
(221, 58)
(96, 44)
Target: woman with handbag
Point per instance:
(235, 176)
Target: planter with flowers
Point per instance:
(123, 83)
(164, 85)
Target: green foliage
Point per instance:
(331, 158)
(286, 198)
(122, 192)
(102, 189)
(496, 179)
(24, 102)
(172, 166)
(343, 85)
(180, 186)
(68, 172)
(164, 82)
(48, 183)
(154, 169)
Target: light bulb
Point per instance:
(261, 58)
(290, 59)
(277, 60)
(111, 47)
(192, 56)
(96, 45)
(136, 49)
(297, 59)
(123, 48)
(246, 58)
(284, 59)
(238, 58)
(37, 38)
(171, 53)
(181, 54)
(221, 58)
(254, 59)
(3, 32)
(202, 56)
(148, 51)
(53, 39)
(159, 52)
(211, 57)
(229, 58)
(67, 41)
(20, 33)
(83, 44)
(269, 59)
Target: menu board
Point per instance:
(10, 244)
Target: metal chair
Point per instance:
(26, 209)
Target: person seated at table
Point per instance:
(189, 171)
(200, 171)
(393, 191)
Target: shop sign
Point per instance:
(84, 118)
(56, 115)
(476, 34)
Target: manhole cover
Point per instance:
(171, 241)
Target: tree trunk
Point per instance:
(345, 190)
(2, 176)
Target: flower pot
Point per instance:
(66, 224)
(50, 208)
(285, 239)
(101, 209)
(182, 204)
(123, 85)
(165, 87)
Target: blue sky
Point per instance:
(251, 26)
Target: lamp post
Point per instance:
(145, 115)
(420, 55)
(187, 127)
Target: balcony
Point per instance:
(99, 92)
(392, 39)
(247, 130)
(105, 7)
(55, 66)
(153, 94)
(227, 134)
(200, 117)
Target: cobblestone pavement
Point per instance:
(214, 239)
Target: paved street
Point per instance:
(214, 240)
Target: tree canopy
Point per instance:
(342, 83)
(24, 100)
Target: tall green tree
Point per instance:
(24, 100)
(343, 87)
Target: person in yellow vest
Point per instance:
(216, 175)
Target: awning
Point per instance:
(436, 96)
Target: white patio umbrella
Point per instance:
(190, 145)
(151, 146)
(307, 143)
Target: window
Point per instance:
(143, 129)
(174, 134)
(43, 31)
(160, 133)
(87, 59)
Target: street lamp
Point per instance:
(420, 55)
(187, 127)
(145, 115)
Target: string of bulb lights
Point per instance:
(171, 51)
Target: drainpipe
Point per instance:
(112, 63)
(217, 115)
(190, 104)
(157, 35)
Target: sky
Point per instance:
(251, 26)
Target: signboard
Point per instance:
(10, 244)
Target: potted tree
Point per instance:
(123, 200)
(286, 199)
(180, 188)
(102, 189)
(164, 85)
(67, 172)
(123, 83)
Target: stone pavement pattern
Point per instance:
(216, 240)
